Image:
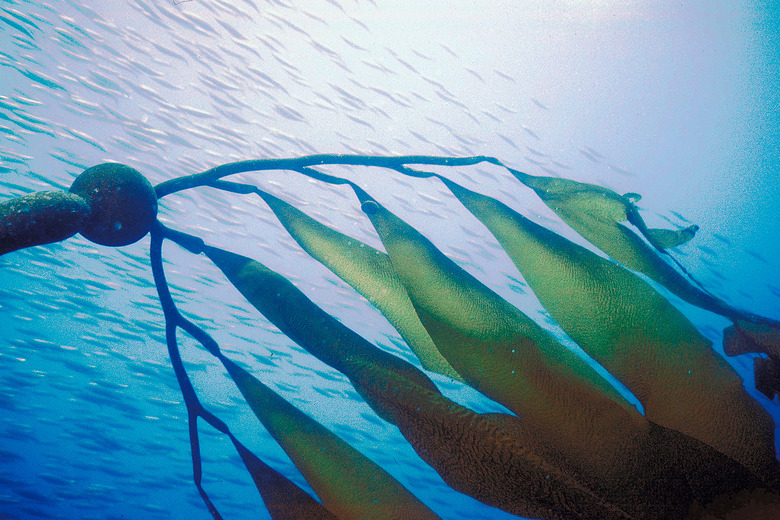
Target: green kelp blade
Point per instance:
(506, 355)
(282, 497)
(473, 453)
(635, 333)
(349, 484)
(598, 214)
(309, 326)
(369, 271)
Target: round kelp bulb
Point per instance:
(123, 204)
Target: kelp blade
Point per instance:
(663, 474)
(369, 271)
(490, 457)
(635, 333)
(309, 326)
(476, 454)
(598, 215)
(282, 497)
(349, 484)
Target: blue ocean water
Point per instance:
(678, 103)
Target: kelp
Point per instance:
(574, 448)
(635, 333)
(454, 440)
(366, 269)
(601, 216)
(350, 485)
(283, 499)
(495, 457)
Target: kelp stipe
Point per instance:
(500, 459)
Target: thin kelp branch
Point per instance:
(246, 189)
(224, 170)
(283, 498)
(173, 320)
(368, 491)
(546, 187)
(412, 172)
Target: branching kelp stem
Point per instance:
(400, 164)
(295, 164)
(174, 320)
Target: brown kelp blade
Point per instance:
(745, 336)
(635, 333)
(598, 214)
(669, 238)
(500, 462)
(282, 497)
(309, 326)
(505, 355)
(350, 485)
(493, 458)
(369, 271)
(474, 453)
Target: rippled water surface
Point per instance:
(678, 103)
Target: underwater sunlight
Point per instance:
(359, 259)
